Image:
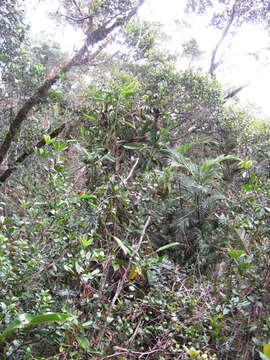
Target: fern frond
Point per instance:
(209, 163)
(183, 148)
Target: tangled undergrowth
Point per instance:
(116, 249)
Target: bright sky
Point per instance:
(239, 68)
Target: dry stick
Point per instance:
(125, 351)
(114, 355)
(128, 351)
(131, 339)
(123, 280)
(132, 171)
(92, 38)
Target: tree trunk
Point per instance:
(93, 38)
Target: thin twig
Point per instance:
(134, 252)
(132, 171)
(135, 333)
(132, 352)
(105, 61)
(113, 355)
(123, 280)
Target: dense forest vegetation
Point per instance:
(134, 196)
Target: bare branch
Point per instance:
(214, 64)
(77, 20)
(132, 171)
(124, 278)
(77, 7)
(105, 61)
(235, 91)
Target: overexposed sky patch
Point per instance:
(69, 38)
(239, 68)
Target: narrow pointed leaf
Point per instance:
(168, 246)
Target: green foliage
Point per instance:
(121, 237)
(24, 320)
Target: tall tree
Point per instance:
(99, 19)
(229, 17)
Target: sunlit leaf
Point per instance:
(134, 272)
(49, 317)
(91, 118)
(128, 92)
(168, 246)
(25, 320)
(129, 86)
(86, 197)
(48, 139)
(126, 249)
(132, 146)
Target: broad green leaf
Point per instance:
(48, 139)
(87, 324)
(235, 254)
(59, 147)
(6, 222)
(24, 320)
(167, 246)
(85, 241)
(105, 92)
(213, 162)
(83, 342)
(41, 152)
(2, 57)
(49, 317)
(150, 278)
(20, 322)
(109, 157)
(69, 269)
